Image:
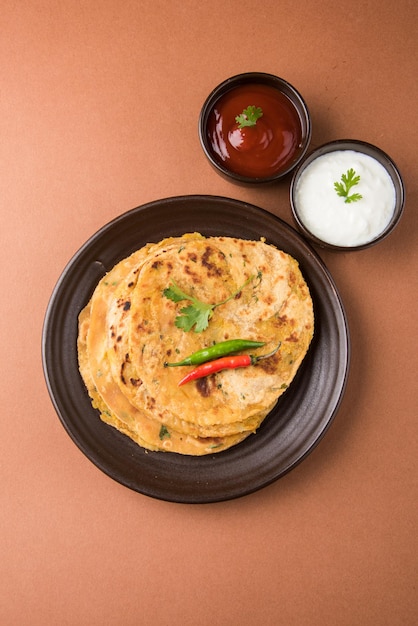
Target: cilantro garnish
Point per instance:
(249, 116)
(348, 181)
(198, 313)
(164, 432)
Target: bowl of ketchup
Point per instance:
(254, 128)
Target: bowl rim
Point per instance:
(263, 78)
(369, 149)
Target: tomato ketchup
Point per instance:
(262, 150)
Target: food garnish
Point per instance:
(164, 432)
(198, 313)
(349, 180)
(226, 362)
(223, 348)
(249, 116)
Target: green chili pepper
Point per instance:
(226, 362)
(223, 348)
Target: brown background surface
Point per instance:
(98, 114)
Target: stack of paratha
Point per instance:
(128, 331)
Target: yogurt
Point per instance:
(326, 214)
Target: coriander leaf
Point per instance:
(194, 316)
(349, 180)
(198, 313)
(340, 189)
(249, 116)
(164, 432)
(175, 294)
(354, 197)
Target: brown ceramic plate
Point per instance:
(288, 434)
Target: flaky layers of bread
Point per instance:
(127, 332)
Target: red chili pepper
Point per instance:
(226, 362)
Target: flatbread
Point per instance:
(128, 331)
(113, 406)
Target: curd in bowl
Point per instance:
(345, 197)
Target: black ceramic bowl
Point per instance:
(267, 151)
(365, 149)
